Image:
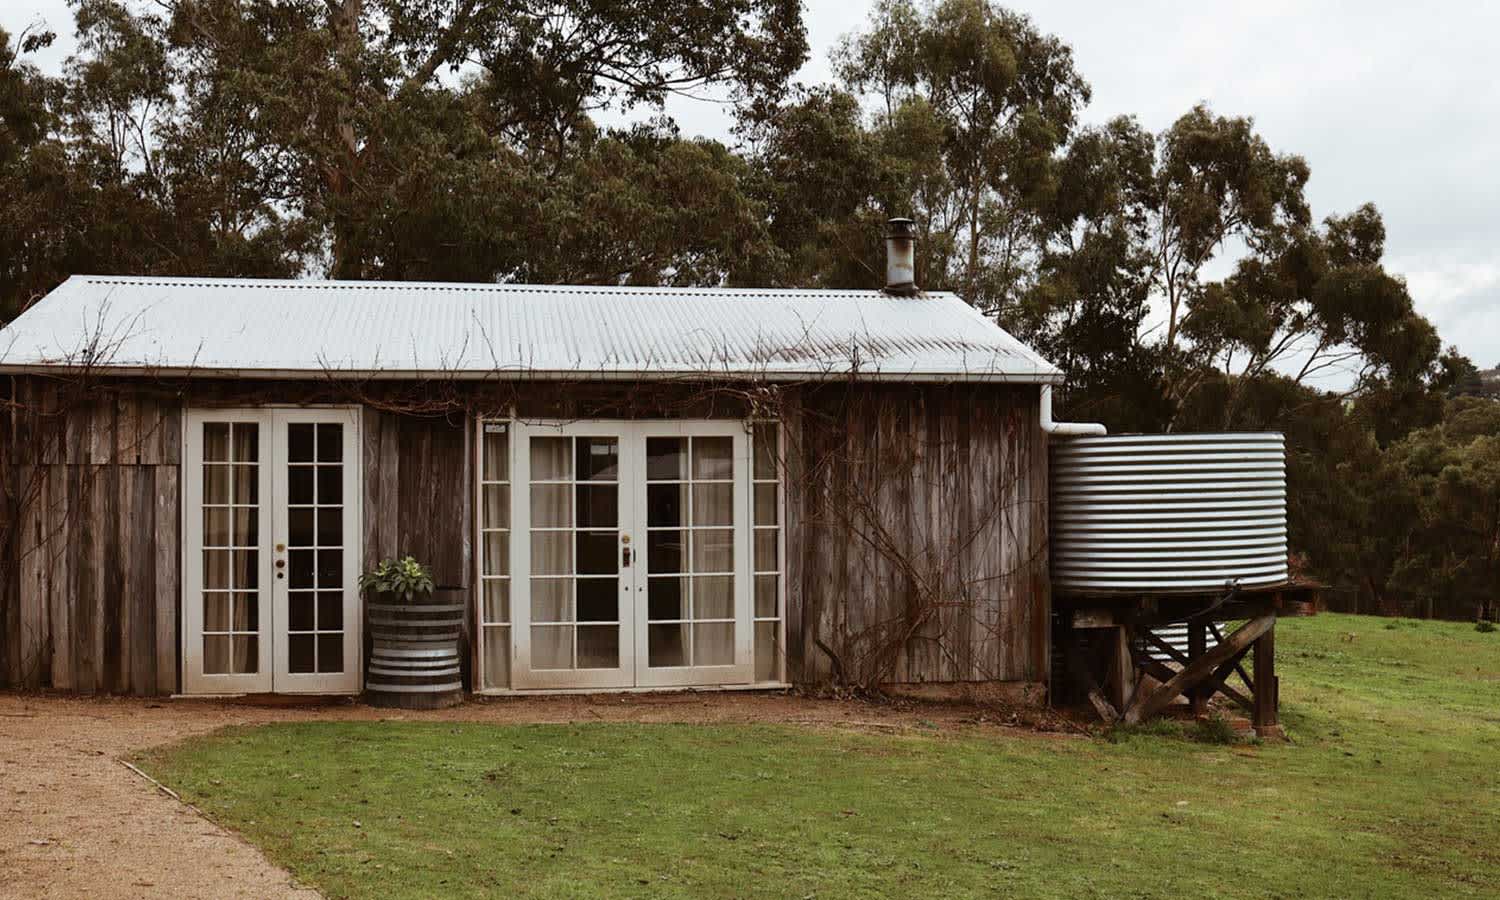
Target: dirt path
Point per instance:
(75, 822)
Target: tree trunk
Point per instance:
(341, 168)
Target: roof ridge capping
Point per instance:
(181, 281)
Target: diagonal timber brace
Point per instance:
(1206, 668)
(1214, 683)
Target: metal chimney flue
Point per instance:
(901, 257)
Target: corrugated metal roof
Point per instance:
(265, 328)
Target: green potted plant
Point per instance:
(405, 578)
(414, 660)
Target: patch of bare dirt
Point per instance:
(75, 822)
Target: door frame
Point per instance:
(522, 675)
(272, 652)
(742, 670)
(351, 679)
(633, 672)
(190, 477)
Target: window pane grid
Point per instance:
(315, 547)
(701, 547)
(702, 558)
(494, 481)
(495, 581)
(579, 481)
(767, 561)
(229, 512)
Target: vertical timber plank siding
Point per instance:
(918, 511)
(419, 501)
(54, 578)
(138, 536)
(1039, 549)
(793, 477)
(26, 641)
(434, 497)
(10, 525)
(95, 491)
(167, 516)
(85, 564)
(370, 422)
(114, 603)
(100, 522)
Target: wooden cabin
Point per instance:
(623, 488)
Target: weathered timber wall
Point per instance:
(9, 533)
(917, 535)
(915, 514)
(419, 500)
(94, 477)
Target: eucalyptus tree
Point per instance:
(1450, 561)
(1318, 301)
(28, 167)
(963, 103)
(355, 90)
(818, 171)
(1089, 308)
(1134, 229)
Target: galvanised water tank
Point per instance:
(1168, 513)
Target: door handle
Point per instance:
(624, 557)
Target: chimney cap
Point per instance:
(900, 226)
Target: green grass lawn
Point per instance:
(1391, 787)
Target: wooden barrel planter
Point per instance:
(414, 663)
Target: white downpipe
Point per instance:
(1064, 429)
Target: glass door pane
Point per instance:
(766, 550)
(315, 548)
(577, 551)
(633, 561)
(689, 551)
(316, 551)
(494, 554)
(226, 608)
(696, 617)
(231, 548)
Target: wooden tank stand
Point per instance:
(1107, 659)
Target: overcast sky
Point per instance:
(1390, 102)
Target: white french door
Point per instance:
(628, 563)
(693, 592)
(271, 551)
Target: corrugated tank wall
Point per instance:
(1159, 513)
